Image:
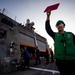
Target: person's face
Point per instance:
(60, 27)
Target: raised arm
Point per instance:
(48, 27)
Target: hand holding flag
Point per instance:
(51, 7)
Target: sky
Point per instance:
(21, 10)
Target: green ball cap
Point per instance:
(60, 22)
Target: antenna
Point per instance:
(3, 10)
(15, 18)
(0, 10)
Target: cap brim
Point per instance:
(52, 7)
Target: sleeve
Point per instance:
(49, 30)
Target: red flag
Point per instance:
(52, 7)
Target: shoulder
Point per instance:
(57, 33)
(70, 33)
